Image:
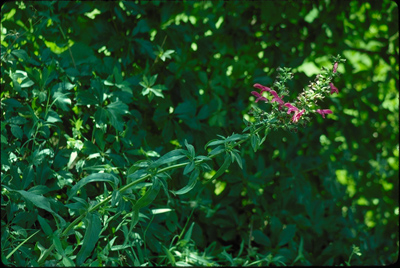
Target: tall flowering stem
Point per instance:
(289, 115)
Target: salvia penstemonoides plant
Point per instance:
(283, 114)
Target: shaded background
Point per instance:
(329, 186)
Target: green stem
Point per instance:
(124, 188)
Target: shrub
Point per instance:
(121, 122)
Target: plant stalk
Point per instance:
(126, 187)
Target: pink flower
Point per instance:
(259, 96)
(297, 116)
(335, 67)
(333, 88)
(263, 88)
(291, 108)
(294, 109)
(277, 99)
(323, 112)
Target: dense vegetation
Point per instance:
(93, 93)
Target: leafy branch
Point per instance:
(157, 171)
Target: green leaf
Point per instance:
(137, 165)
(202, 157)
(191, 183)
(67, 262)
(164, 183)
(52, 117)
(254, 142)
(169, 157)
(287, 234)
(117, 75)
(188, 234)
(152, 80)
(228, 257)
(156, 92)
(96, 177)
(21, 54)
(100, 116)
(99, 136)
(189, 167)
(115, 197)
(235, 137)
(276, 225)
(86, 97)
(236, 156)
(92, 235)
(116, 110)
(217, 150)
(40, 202)
(169, 255)
(17, 120)
(17, 131)
(62, 101)
(261, 238)
(57, 244)
(28, 177)
(3, 139)
(208, 143)
(187, 109)
(45, 226)
(222, 169)
(215, 142)
(145, 200)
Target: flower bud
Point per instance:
(335, 67)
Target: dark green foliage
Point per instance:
(110, 106)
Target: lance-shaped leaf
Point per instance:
(190, 149)
(145, 200)
(236, 137)
(137, 165)
(96, 177)
(236, 156)
(136, 175)
(214, 142)
(40, 202)
(45, 225)
(189, 167)
(92, 234)
(164, 185)
(217, 150)
(188, 235)
(169, 157)
(115, 197)
(191, 183)
(169, 255)
(255, 140)
(224, 166)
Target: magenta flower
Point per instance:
(259, 96)
(277, 99)
(323, 112)
(297, 116)
(294, 109)
(263, 88)
(335, 67)
(291, 108)
(333, 88)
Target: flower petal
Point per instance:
(335, 67)
(263, 88)
(333, 88)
